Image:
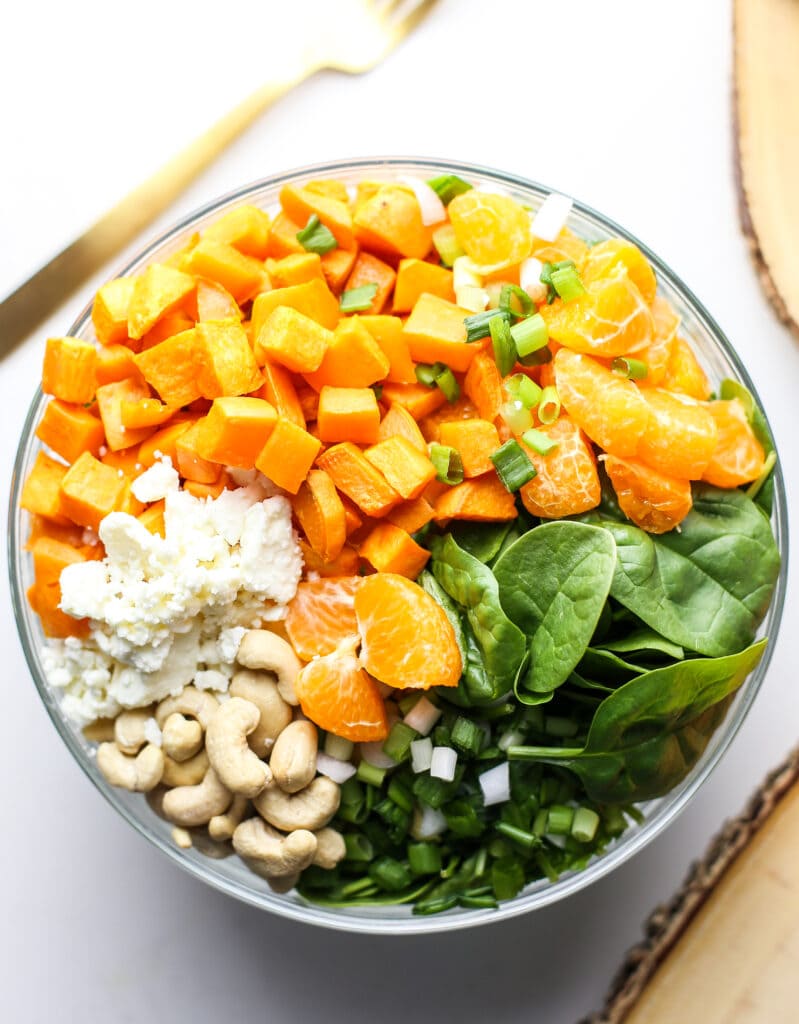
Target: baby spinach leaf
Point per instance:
(647, 735)
(762, 490)
(707, 586)
(483, 540)
(472, 678)
(553, 583)
(473, 586)
(645, 640)
(607, 667)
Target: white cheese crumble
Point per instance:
(156, 482)
(168, 611)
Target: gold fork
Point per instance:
(364, 38)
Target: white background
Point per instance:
(623, 104)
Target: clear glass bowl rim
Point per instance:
(372, 922)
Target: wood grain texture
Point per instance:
(766, 131)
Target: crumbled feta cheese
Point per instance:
(156, 482)
(166, 611)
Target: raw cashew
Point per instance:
(284, 884)
(101, 730)
(260, 688)
(181, 837)
(237, 766)
(222, 826)
(155, 798)
(185, 773)
(330, 848)
(310, 809)
(264, 650)
(210, 847)
(277, 855)
(196, 805)
(191, 702)
(293, 759)
(138, 774)
(181, 737)
(129, 729)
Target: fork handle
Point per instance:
(39, 296)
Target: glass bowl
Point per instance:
(230, 875)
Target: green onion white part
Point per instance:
(423, 716)
(495, 784)
(551, 217)
(338, 747)
(431, 207)
(333, 768)
(443, 763)
(421, 754)
(530, 279)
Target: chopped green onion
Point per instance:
(530, 335)
(436, 904)
(483, 901)
(370, 775)
(315, 237)
(522, 389)
(462, 819)
(537, 358)
(584, 824)
(506, 297)
(477, 325)
(431, 791)
(559, 820)
(426, 373)
(447, 245)
(447, 383)
(540, 822)
(398, 742)
(424, 858)
(447, 186)
(538, 441)
(358, 847)
(389, 874)
(400, 795)
(525, 839)
(338, 747)
(513, 466)
(517, 417)
(634, 369)
(396, 818)
(546, 277)
(448, 464)
(504, 349)
(358, 299)
(408, 703)
(507, 877)
(566, 282)
(467, 735)
(549, 406)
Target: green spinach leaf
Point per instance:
(483, 540)
(647, 642)
(647, 735)
(473, 586)
(706, 586)
(553, 583)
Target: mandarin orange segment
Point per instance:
(322, 615)
(655, 502)
(658, 353)
(493, 230)
(407, 639)
(681, 435)
(339, 696)
(566, 481)
(609, 319)
(607, 407)
(738, 457)
(606, 257)
(567, 246)
(683, 372)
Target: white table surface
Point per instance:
(623, 104)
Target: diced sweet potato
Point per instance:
(240, 275)
(369, 269)
(320, 513)
(190, 464)
(69, 430)
(41, 492)
(390, 549)
(244, 227)
(91, 490)
(414, 278)
(387, 332)
(278, 388)
(215, 302)
(288, 455)
(417, 399)
(300, 204)
(389, 223)
(158, 290)
(110, 311)
(412, 515)
(292, 339)
(109, 401)
(224, 361)
(115, 362)
(312, 298)
(348, 414)
(355, 476)
(235, 431)
(435, 332)
(169, 369)
(353, 358)
(297, 268)
(69, 371)
(475, 440)
(483, 500)
(404, 466)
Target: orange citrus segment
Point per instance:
(321, 615)
(653, 501)
(607, 257)
(609, 319)
(683, 372)
(607, 407)
(336, 694)
(567, 246)
(657, 354)
(407, 639)
(739, 456)
(567, 482)
(493, 230)
(681, 435)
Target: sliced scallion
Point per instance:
(530, 335)
(467, 736)
(398, 742)
(508, 293)
(358, 299)
(584, 825)
(424, 858)
(447, 186)
(477, 325)
(447, 245)
(446, 381)
(358, 847)
(527, 840)
(390, 874)
(634, 369)
(538, 441)
(513, 466)
(370, 775)
(426, 373)
(315, 237)
(549, 406)
(522, 389)
(559, 820)
(502, 342)
(566, 282)
(448, 464)
(516, 416)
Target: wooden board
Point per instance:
(726, 948)
(766, 101)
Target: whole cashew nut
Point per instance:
(181, 737)
(196, 805)
(101, 730)
(330, 848)
(277, 855)
(267, 651)
(192, 703)
(293, 760)
(260, 688)
(185, 773)
(310, 809)
(222, 826)
(237, 766)
(138, 774)
(129, 729)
